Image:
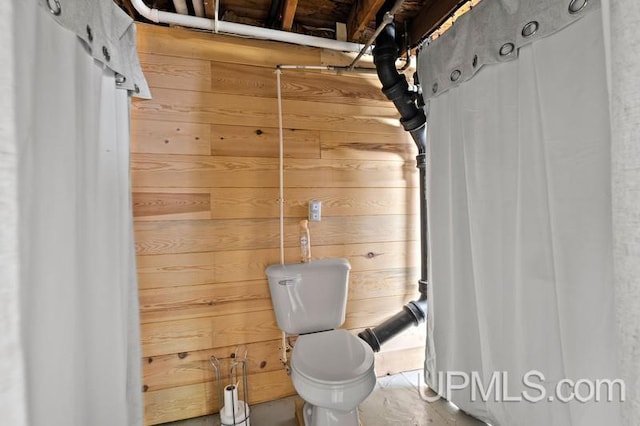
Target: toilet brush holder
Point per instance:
(232, 398)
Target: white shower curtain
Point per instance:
(78, 342)
(520, 229)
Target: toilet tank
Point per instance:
(309, 297)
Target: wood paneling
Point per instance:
(236, 203)
(167, 203)
(243, 141)
(164, 237)
(216, 108)
(396, 361)
(219, 299)
(170, 171)
(176, 73)
(186, 43)
(187, 368)
(199, 399)
(167, 137)
(344, 146)
(175, 269)
(152, 204)
(205, 192)
(209, 332)
(244, 203)
(370, 312)
(186, 269)
(308, 86)
(182, 171)
(331, 88)
(171, 303)
(201, 333)
(384, 283)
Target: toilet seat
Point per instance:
(334, 357)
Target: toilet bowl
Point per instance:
(333, 371)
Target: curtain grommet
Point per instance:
(105, 53)
(507, 49)
(576, 6)
(89, 34)
(120, 79)
(455, 75)
(474, 63)
(136, 88)
(434, 88)
(55, 8)
(530, 29)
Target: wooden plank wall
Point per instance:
(205, 190)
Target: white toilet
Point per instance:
(332, 370)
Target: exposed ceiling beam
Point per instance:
(431, 16)
(290, 7)
(209, 8)
(362, 12)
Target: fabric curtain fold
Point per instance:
(108, 33)
(520, 229)
(79, 310)
(622, 40)
(12, 403)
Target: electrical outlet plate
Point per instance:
(315, 211)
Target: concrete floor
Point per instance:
(395, 401)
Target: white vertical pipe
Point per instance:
(216, 18)
(198, 7)
(181, 7)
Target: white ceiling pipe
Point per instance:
(198, 7)
(159, 16)
(181, 6)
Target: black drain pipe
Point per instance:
(413, 119)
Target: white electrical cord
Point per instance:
(285, 346)
(281, 168)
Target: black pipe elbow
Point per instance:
(395, 86)
(412, 314)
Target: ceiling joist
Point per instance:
(209, 8)
(362, 12)
(288, 14)
(430, 17)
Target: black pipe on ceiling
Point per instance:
(413, 119)
(273, 16)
